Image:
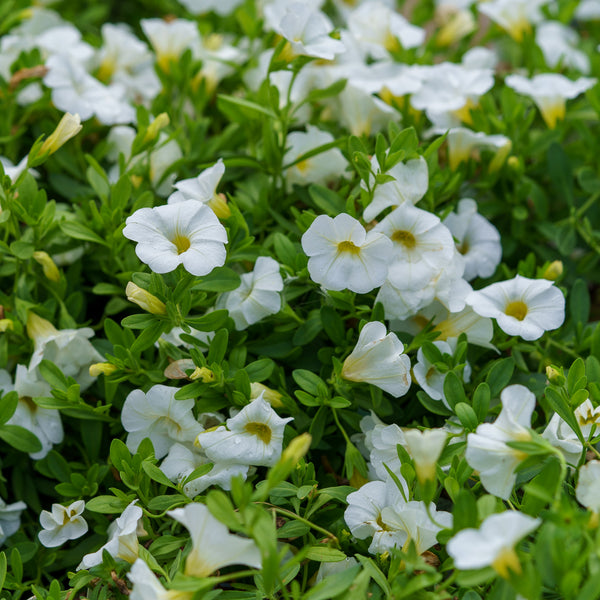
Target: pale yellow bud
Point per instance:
(68, 127)
(103, 368)
(154, 128)
(554, 375)
(500, 157)
(38, 328)
(219, 206)
(553, 271)
(271, 396)
(296, 449)
(456, 27)
(204, 374)
(50, 269)
(145, 299)
(6, 324)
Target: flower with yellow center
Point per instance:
(187, 233)
(342, 255)
(493, 544)
(487, 451)
(514, 16)
(521, 306)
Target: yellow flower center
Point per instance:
(506, 560)
(260, 430)
(516, 309)
(463, 248)
(406, 238)
(182, 243)
(348, 246)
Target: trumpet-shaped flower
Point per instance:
(158, 416)
(521, 306)
(493, 544)
(487, 451)
(258, 295)
(560, 43)
(213, 547)
(478, 241)
(514, 16)
(62, 524)
(550, 92)
(186, 233)
(342, 255)
(381, 443)
(462, 142)
(202, 188)
(253, 437)
(146, 585)
(10, 518)
(588, 486)
(425, 448)
(171, 39)
(122, 538)
(378, 359)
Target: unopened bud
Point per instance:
(103, 368)
(6, 324)
(68, 127)
(297, 449)
(553, 271)
(144, 299)
(204, 374)
(154, 128)
(50, 269)
(219, 206)
(271, 396)
(554, 375)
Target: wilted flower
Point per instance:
(62, 524)
(378, 359)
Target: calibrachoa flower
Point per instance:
(342, 255)
(487, 451)
(62, 524)
(213, 547)
(186, 233)
(588, 486)
(146, 585)
(378, 359)
(253, 437)
(10, 518)
(521, 306)
(425, 448)
(493, 544)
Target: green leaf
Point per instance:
(8, 405)
(579, 302)
(156, 474)
(285, 250)
(466, 415)
(500, 375)
(560, 172)
(218, 346)
(308, 381)
(327, 200)
(20, 438)
(243, 109)
(109, 505)
(209, 322)
(560, 406)
(22, 250)
(79, 231)
(325, 554)
(259, 370)
(333, 325)
(481, 401)
(453, 389)
(2, 569)
(221, 279)
(333, 585)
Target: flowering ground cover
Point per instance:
(299, 300)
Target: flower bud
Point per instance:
(553, 271)
(554, 375)
(38, 328)
(104, 368)
(145, 299)
(6, 324)
(204, 374)
(218, 204)
(68, 127)
(160, 122)
(271, 396)
(49, 267)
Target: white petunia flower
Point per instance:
(550, 92)
(588, 486)
(62, 524)
(213, 547)
(253, 437)
(122, 538)
(187, 233)
(258, 295)
(342, 255)
(158, 416)
(170, 39)
(381, 443)
(202, 188)
(462, 142)
(478, 241)
(493, 544)
(521, 306)
(146, 585)
(10, 518)
(425, 448)
(487, 451)
(378, 359)
(411, 180)
(514, 16)
(559, 43)
(220, 7)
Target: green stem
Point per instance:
(293, 515)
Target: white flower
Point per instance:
(62, 524)
(521, 306)
(213, 547)
(493, 544)
(462, 142)
(550, 91)
(381, 442)
(378, 359)
(122, 538)
(342, 255)
(588, 486)
(559, 43)
(425, 448)
(202, 188)
(146, 585)
(158, 416)
(187, 233)
(69, 349)
(253, 437)
(170, 39)
(515, 16)
(322, 168)
(411, 180)
(487, 451)
(258, 295)
(220, 7)
(478, 241)
(10, 518)
(364, 514)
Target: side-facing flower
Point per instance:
(187, 233)
(521, 306)
(378, 359)
(146, 585)
(62, 524)
(213, 546)
(493, 544)
(425, 447)
(202, 188)
(588, 486)
(68, 127)
(10, 518)
(253, 437)
(487, 451)
(343, 255)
